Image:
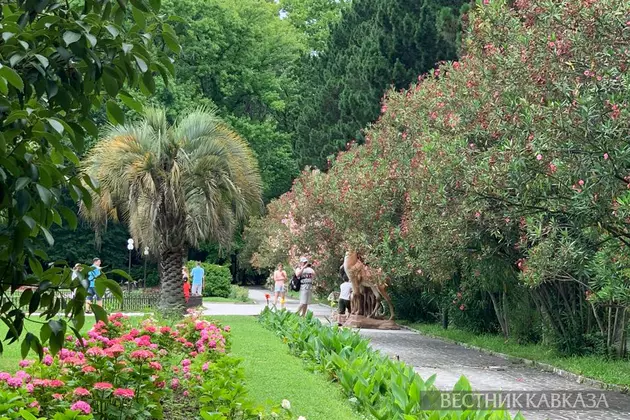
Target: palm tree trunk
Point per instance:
(172, 287)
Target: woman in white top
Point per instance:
(307, 275)
(279, 277)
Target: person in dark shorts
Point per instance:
(91, 291)
(344, 297)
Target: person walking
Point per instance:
(306, 274)
(76, 270)
(91, 292)
(344, 298)
(279, 289)
(186, 277)
(198, 276)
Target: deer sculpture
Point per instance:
(367, 294)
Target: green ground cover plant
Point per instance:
(387, 389)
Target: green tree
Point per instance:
(58, 60)
(175, 186)
(313, 18)
(238, 56)
(376, 44)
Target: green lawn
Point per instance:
(11, 356)
(225, 300)
(595, 367)
(273, 374)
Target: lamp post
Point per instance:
(130, 248)
(146, 256)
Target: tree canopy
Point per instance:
(376, 44)
(58, 61)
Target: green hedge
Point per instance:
(387, 389)
(218, 279)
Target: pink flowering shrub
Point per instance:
(119, 371)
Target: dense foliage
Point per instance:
(58, 60)
(237, 56)
(375, 44)
(497, 183)
(386, 388)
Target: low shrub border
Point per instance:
(387, 389)
(148, 371)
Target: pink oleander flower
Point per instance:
(14, 382)
(160, 384)
(186, 369)
(539, 157)
(185, 393)
(4, 376)
(227, 328)
(606, 156)
(57, 396)
(34, 404)
(25, 363)
(186, 362)
(134, 333)
(165, 330)
(174, 383)
(212, 344)
(30, 388)
(47, 360)
(88, 369)
(103, 386)
(155, 365)
(124, 393)
(193, 354)
(81, 392)
(82, 406)
(205, 366)
(163, 352)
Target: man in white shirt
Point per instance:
(344, 297)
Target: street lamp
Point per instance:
(146, 256)
(130, 248)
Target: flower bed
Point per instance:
(122, 371)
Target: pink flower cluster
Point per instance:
(116, 363)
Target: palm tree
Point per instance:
(175, 186)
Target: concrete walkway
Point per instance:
(258, 296)
(449, 362)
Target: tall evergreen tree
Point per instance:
(376, 44)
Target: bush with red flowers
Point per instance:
(125, 371)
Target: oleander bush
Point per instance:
(506, 172)
(387, 389)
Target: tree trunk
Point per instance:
(172, 287)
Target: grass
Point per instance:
(12, 352)
(216, 299)
(594, 367)
(273, 374)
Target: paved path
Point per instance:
(449, 362)
(258, 296)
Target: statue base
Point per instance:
(358, 321)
